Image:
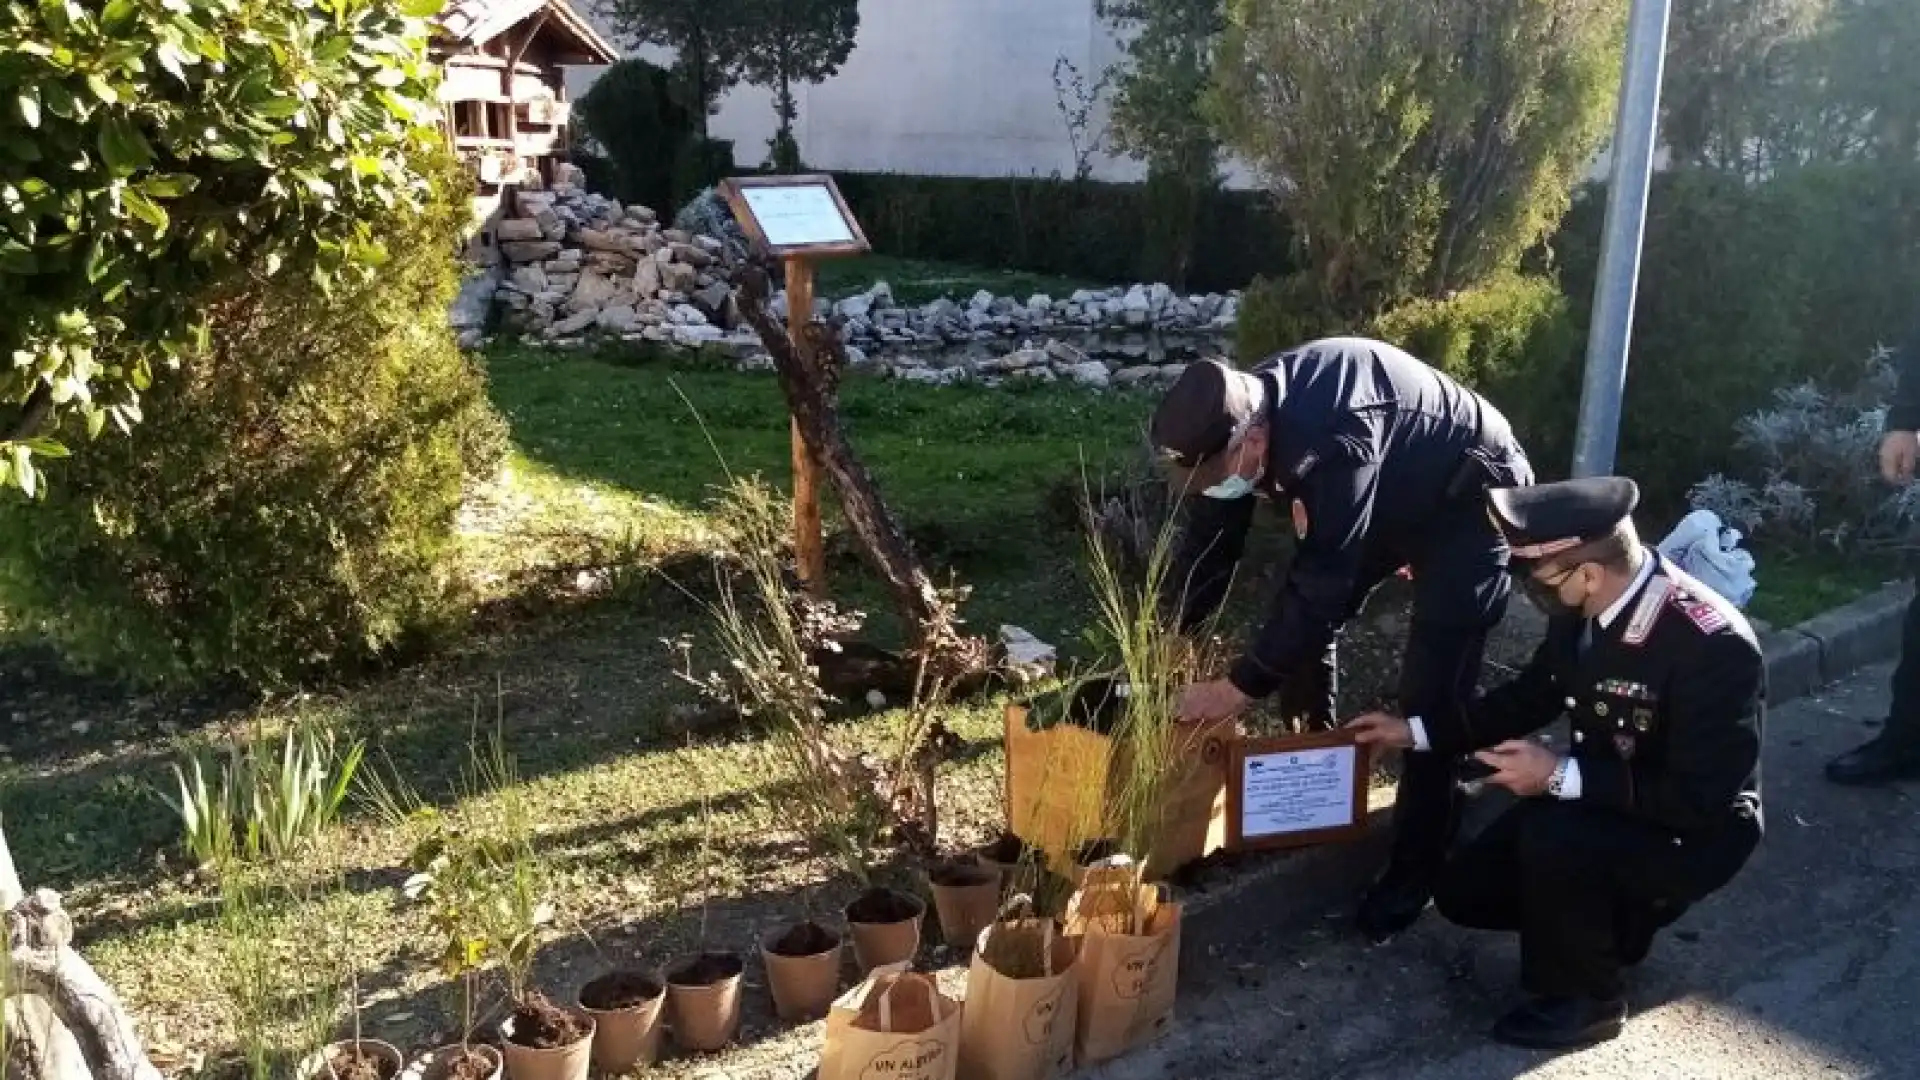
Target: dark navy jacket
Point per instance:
(1904, 413)
(1372, 445)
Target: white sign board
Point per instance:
(1295, 791)
(803, 214)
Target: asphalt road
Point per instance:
(1808, 965)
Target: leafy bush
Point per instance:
(635, 115)
(1082, 229)
(1746, 288)
(1809, 475)
(151, 152)
(1513, 339)
(1419, 147)
(1278, 314)
(299, 512)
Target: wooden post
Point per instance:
(809, 548)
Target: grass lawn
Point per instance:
(917, 281)
(660, 837)
(1794, 587)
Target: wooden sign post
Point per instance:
(799, 219)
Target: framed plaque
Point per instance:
(1296, 790)
(795, 215)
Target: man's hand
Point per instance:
(1522, 767)
(1382, 730)
(1216, 700)
(1898, 452)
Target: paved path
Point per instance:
(1807, 966)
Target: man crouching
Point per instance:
(1658, 802)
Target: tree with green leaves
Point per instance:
(1159, 115)
(796, 42)
(709, 39)
(150, 152)
(1421, 146)
(1728, 64)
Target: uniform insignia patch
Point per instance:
(1633, 691)
(1647, 612)
(1704, 615)
(1307, 461)
(1643, 720)
(1599, 708)
(1624, 743)
(1299, 519)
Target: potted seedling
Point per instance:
(703, 994)
(886, 926)
(625, 1006)
(358, 1058)
(449, 877)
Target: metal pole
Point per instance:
(1636, 131)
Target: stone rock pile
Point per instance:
(873, 320)
(575, 264)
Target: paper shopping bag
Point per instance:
(904, 1029)
(1129, 964)
(1021, 1002)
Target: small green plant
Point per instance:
(271, 807)
(281, 1000)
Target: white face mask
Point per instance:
(1233, 487)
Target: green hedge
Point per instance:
(290, 504)
(1745, 288)
(1081, 229)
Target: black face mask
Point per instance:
(1545, 597)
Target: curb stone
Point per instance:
(1833, 645)
(1288, 888)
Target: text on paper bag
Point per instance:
(903, 1061)
(1135, 973)
(1040, 1017)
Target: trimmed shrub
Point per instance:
(1746, 288)
(1278, 314)
(1073, 228)
(290, 506)
(1513, 339)
(635, 115)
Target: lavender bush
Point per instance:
(1810, 470)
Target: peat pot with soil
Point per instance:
(625, 1006)
(542, 1041)
(459, 1061)
(803, 970)
(703, 1001)
(886, 927)
(355, 1059)
(966, 896)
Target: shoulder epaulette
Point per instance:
(1647, 611)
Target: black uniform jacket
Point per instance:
(1367, 447)
(1666, 705)
(1904, 412)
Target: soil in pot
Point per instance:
(803, 971)
(967, 896)
(626, 1011)
(1006, 851)
(621, 990)
(805, 939)
(354, 1061)
(886, 927)
(703, 997)
(457, 1062)
(539, 1024)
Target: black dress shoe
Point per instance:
(1881, 761)
(1561, 1023)
(1393, 904)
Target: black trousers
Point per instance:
(1903, 718)
(1585, 888)
(1460, 593)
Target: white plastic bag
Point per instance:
(1706, 548)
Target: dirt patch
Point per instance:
(353, 1063)
(807, 939)
(706, 970)
(621, 990)
(960, 875)
(878, 907)
(539, 1024)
